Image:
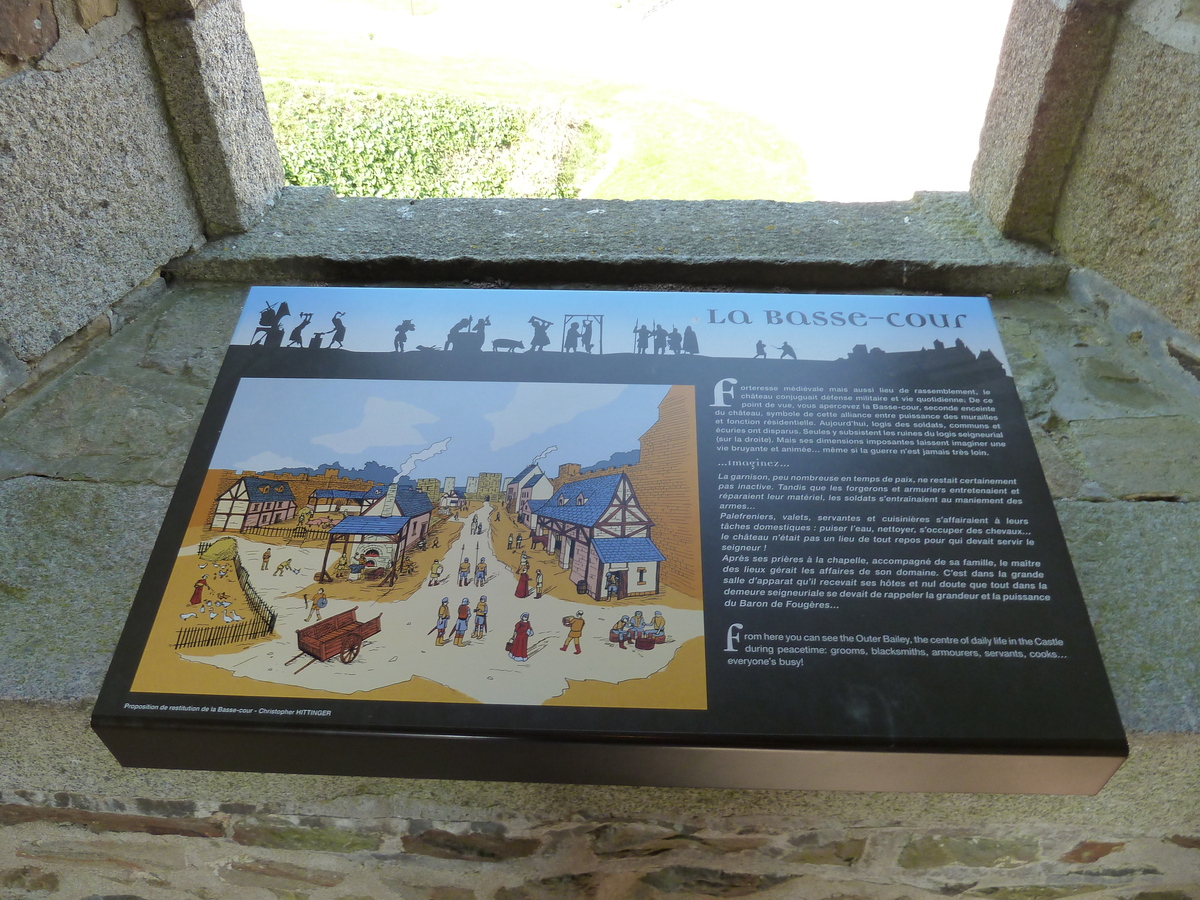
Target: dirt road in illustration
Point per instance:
(480, 668)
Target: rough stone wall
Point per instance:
(1054, 54)
(1090, 143)
(211, 84)
(178, 850)
(122, 142)
(95, 196)
(1130, 208)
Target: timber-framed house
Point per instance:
(252, 502)
(598, 529)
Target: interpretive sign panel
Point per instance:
(753, 540)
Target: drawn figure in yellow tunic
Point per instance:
(443, 620)
(658, 625)
(576, 630)
(318, 603)
(481, 609)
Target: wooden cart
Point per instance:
(341, 635)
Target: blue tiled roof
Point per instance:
(275, 490)
(525, 471)
(535, 505)
(390, 525)
(627, 550)
(413, 502)
(598, 493)
(375, 492)
(534, 480)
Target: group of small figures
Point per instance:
(465, 578)
(637, 631)
(468, 334)
(630, 629)
(269, 332)
(665, 340)
(464, 572)
(462, 620)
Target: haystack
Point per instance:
(221, 550)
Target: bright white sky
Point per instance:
(884, 97)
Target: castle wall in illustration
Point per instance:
(668, 476)
(596, 526)
(431, 487)
(252, 503)
(488, 486)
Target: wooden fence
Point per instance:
(261, 624)
(217, 635)
(289, 534)
(261, 610)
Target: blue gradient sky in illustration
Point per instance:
(438, 428)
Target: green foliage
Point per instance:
(588, 146)
(637, 141)
(379, 144)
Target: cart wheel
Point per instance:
(350, 654)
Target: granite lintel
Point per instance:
(936, 242)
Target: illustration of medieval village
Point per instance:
(567, 579)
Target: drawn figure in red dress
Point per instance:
(523, 577)
(519, 646)
(198, 591)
